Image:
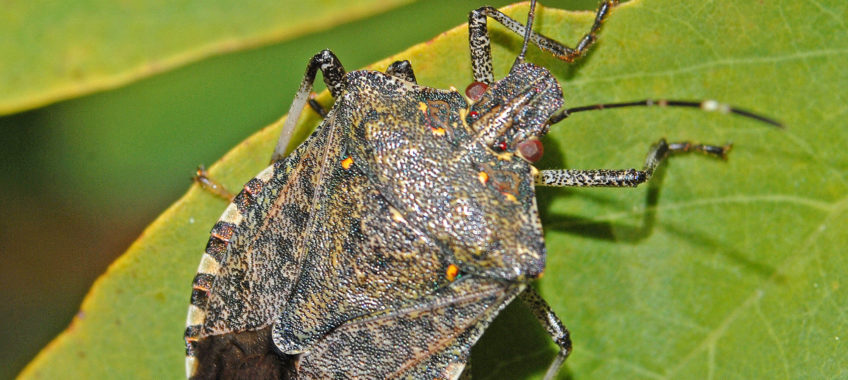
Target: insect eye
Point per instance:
(475, 90)
(531, 149)
(500, 146)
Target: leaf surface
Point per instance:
(62, 49)
(718, 269)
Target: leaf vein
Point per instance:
(758, 293)
(770, 329)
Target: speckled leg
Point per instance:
(333, 72)
(481, 51)
(317, 107)
(558, 332)
(402, 70)
(626, 177)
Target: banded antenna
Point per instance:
(704, 105)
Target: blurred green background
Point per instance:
(84, 176)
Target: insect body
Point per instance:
(385, 244)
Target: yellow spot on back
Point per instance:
(396, 215)
(510, 197)
(452, 271)
(505, 156)
(439, 131)
(422, 106)
(483, 177)
(347, 162)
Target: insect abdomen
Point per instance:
(251, 262)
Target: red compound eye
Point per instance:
(501, 146)
(475, 90)
(531, 149)
(473, 114)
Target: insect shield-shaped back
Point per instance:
(411, 200)
(430, 156)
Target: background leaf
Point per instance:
(73, 48)
(720, 269)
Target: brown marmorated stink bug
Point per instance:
(385, 244)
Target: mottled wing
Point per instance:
(251, 263)
(362, 254)
(430, 338)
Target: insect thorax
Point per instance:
(431, 155)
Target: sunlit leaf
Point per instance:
(54, 50)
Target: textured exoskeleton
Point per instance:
(385, 244)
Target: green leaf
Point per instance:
(718, 269)
(65, 49)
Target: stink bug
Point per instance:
(385, 244)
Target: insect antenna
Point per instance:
(705, 105)
(528, 30)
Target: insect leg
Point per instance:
(317, 107)
(399, 69)
(480, 44)
(402, 70)
(626, 177)
(333, 72)
(558, 332)
(211, 185)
